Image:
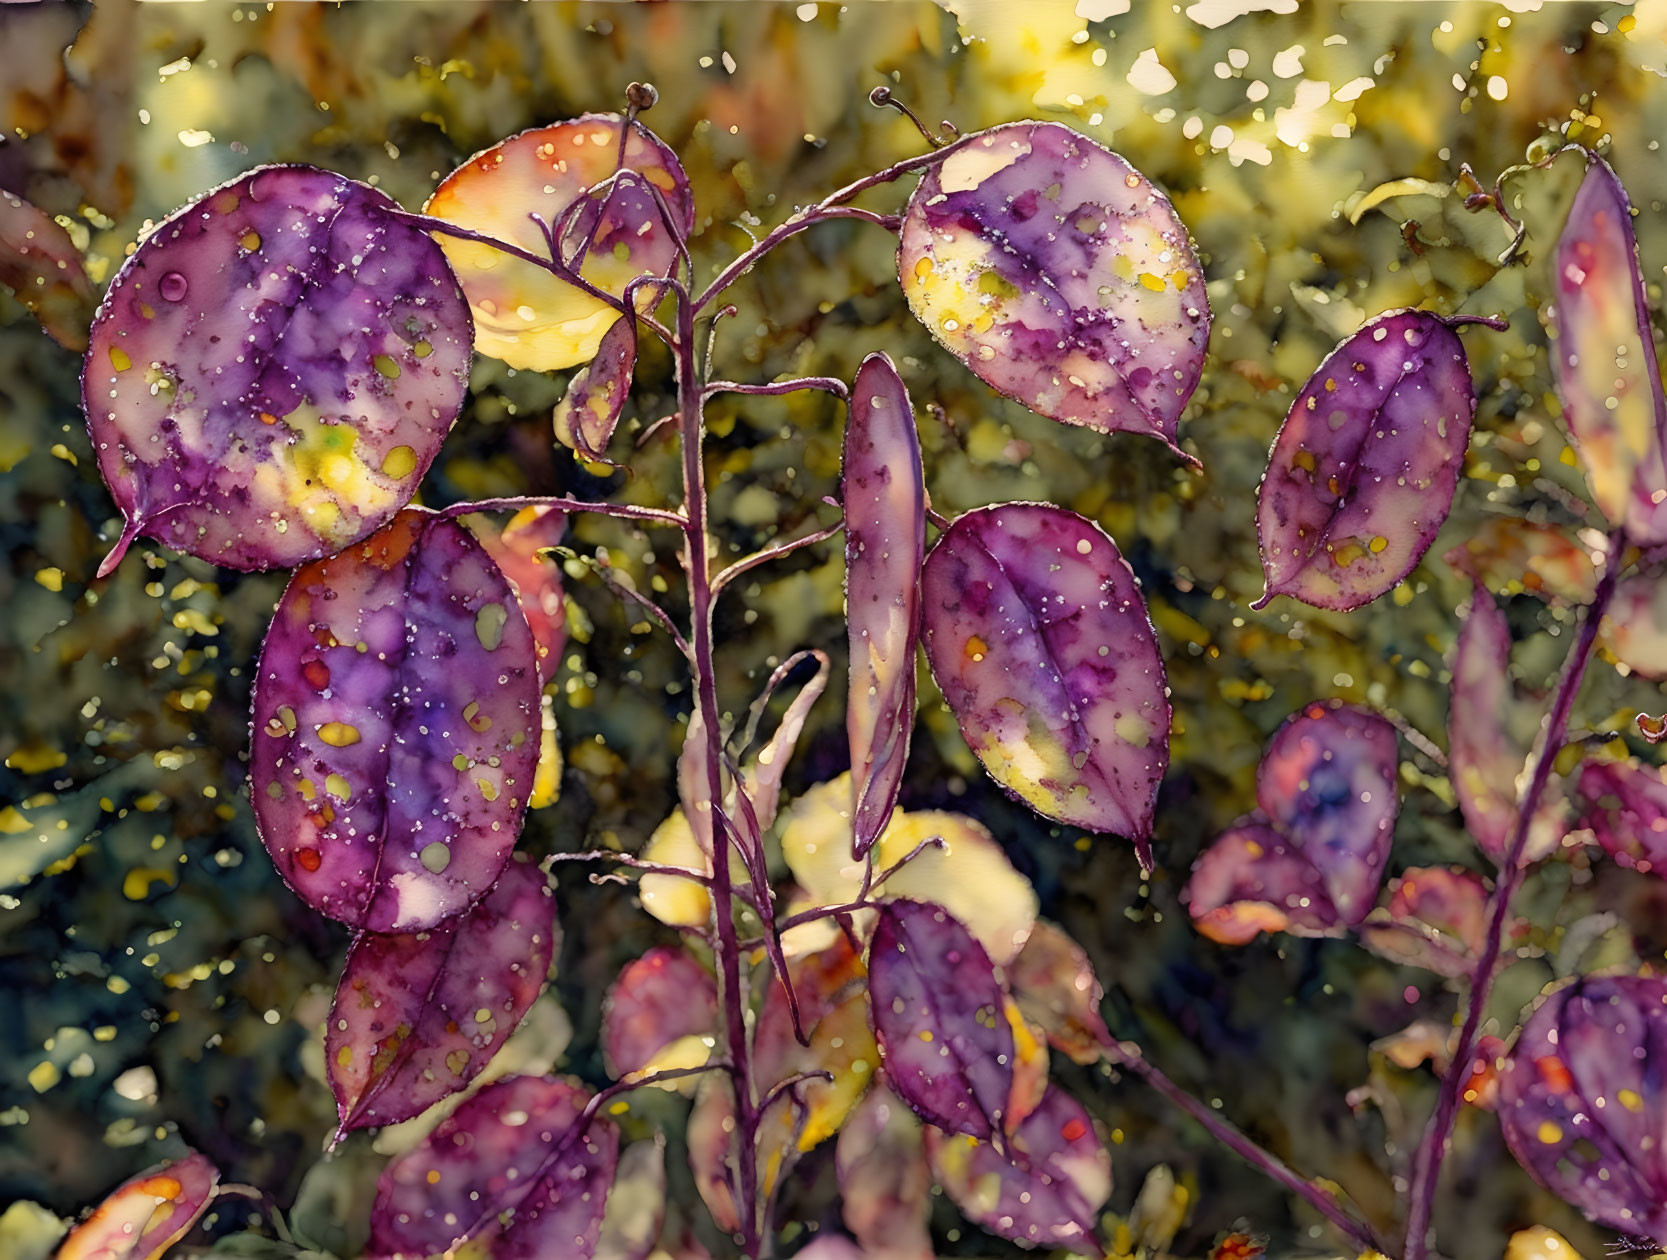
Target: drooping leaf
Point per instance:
(1583, 1104)
(1607, 373)
(1039, 640)
(1362, 473)
(661, 1012)
(1045, 1191)
(1055, 986)
(1060, 276)
(1327, 780)
(1436, 918)
(885, 1184)
(938, 1016)
(1489, 734)
(145, 1215)
(395, 727)
(1253, 880)
(416, 1017)
(524, 315)
(509, 1170)
(636, 1209)
(762, 775)
(1635, 626)
(709, 1136)
(40, 264)
(1511, 554)
(518, 549)
(588, 413)
(273, 370)
(1624, 805)
(966, 871)
(885, 544)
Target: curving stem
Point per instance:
(1426, 1165)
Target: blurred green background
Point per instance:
(158, 984)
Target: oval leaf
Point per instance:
(1436, 918)
(885, 1184)
(144, 1216)
(1056, 988)
(658, 1000)
(588, 413)
(1362, 473)
(938, 1016)
(1635, 627)
(509, 1170)
(1045, 1191)
(1607, 373)
(1582, 1100)
(1060, 276)
(1040, 642)
(709, 1136)
(1327, 780)
(396, 727)
(273, 370)
(1624, 805)
(40, 264)
(524, 315)
(1250, 881)
(416, 1017)
(885, 544)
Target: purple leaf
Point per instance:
(1362, 473)
(1056, 988)
(589, 411)
(518, 551)
(1252, 880)
(1624, 805)
(885, 543)
(658, 1000)
(396, 726)
(1060, 276)
(524, 315)
(416, 1017)
(1607, 373)
(273, 370)
(945, 1043)
(1582, 1100)
(1045, 1191)
(763, 774)
(1327, 780)
(509, 1170)
(885, 1184)
(1038, 637)
(145, 1215)
(1435, 919)
(40, 264)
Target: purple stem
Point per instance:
(774, 551)
(831, 384)
(1426, 1165)
(629, 510)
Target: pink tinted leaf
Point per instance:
(1635, 626)
(1045, 1191)
(1607, 373)
(837, 1247)
(1435, 918)
(518, 549)
(1039, 639)
(764, 773)
(947, 1049)
(885, 1184)
(1624, 805)
(636, 1210)
(588, 413)
(1327, 780)
(1362, 473)
(1252, 880)
(40, 264)
(885, 543)
(416, 1017)
(273, 370)
(510, 1170)
(396, 725)
(1512, 553)
(658, 999)
(145, 1215)
(709, 1136)
(1060, 276)
(524, 315)
(1583, 1104)
(1056, 988)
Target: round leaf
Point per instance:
(144, 1216)
(1060, 276)
(1252, 881)
(658, 1000)
(1624, 805)
(1435, 919)
(524, 315)
(396, 726)
(273, 370)
(416, 1017)
(1040, 642)
(885, 543)
(1362, 473)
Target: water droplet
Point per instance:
(172, 287)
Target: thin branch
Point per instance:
(636, 863)
(830, 384)
(780, 1088)
(1426, 1166)
(628, 511)
(630, 593)
(775, 551)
